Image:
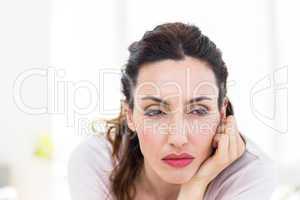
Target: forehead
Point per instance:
(185, 78)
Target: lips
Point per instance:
(180, 156)
(178, 161)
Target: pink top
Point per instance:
(252, 176)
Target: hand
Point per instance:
(228, 145)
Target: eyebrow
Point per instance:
(193, 100)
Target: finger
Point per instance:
(222, 126)
(230, 129)
(216, 136)
(222, 147)
(241, 145)
(218, 130)
(216, 140)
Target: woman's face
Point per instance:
(168, 121)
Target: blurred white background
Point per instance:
(60, 61)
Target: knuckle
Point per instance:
(242, 151)
(225, 136)
(232, 158)
(222, 162)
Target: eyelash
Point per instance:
(149, 113)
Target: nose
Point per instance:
(177, 135)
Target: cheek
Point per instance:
(201, 137)
(202, 142)
(202, 146)
(148, 135)
(205, 126)
(149, 138)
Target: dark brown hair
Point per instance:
(165, 41)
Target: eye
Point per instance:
(152, 112)
(199, 112)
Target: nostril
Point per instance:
(177, 139)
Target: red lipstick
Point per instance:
(178, 161)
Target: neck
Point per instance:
(152, 184)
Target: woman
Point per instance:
(176, 136)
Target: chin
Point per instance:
(177, 178)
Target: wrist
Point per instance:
(193, 190)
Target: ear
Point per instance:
(129, 116)
(224, 108)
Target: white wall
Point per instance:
(24, 39)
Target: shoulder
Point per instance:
(253, 176)
(93, 150)
(89, 167)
